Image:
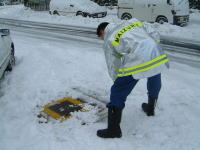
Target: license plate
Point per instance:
(181, 19)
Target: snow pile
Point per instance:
(189, 33)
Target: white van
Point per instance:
(172, 11)
(77, 7)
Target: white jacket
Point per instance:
(131, 48)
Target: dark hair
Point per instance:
(101, 26)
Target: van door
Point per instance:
(158, 8)
(143, 10)
(161, 8)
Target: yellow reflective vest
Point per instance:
(132, 48)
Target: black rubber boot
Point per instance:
(150, 107)
(114, 119)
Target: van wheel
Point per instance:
(161, 19)
(126, 16)
(12, 60)
(55, 12)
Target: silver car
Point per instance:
(7, 52)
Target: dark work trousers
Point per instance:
(123, 86)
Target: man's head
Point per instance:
(101, 29)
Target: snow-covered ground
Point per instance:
(48, 70)
(189, 33)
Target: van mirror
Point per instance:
(169, 2)
(4, 32)
(71, 5)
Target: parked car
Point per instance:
(172, 11)
(77, 7)
(7, 52)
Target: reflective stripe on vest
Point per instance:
(119, 35)
(143, 67)
(158, 41)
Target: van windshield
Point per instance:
(178, 2)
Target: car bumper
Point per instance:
(181, 20)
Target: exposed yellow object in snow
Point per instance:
(62, 108)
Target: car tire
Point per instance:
(12, 60)
(79, 13)
(84, 14)
(161, 19)
(55, 12)
(126, 16)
